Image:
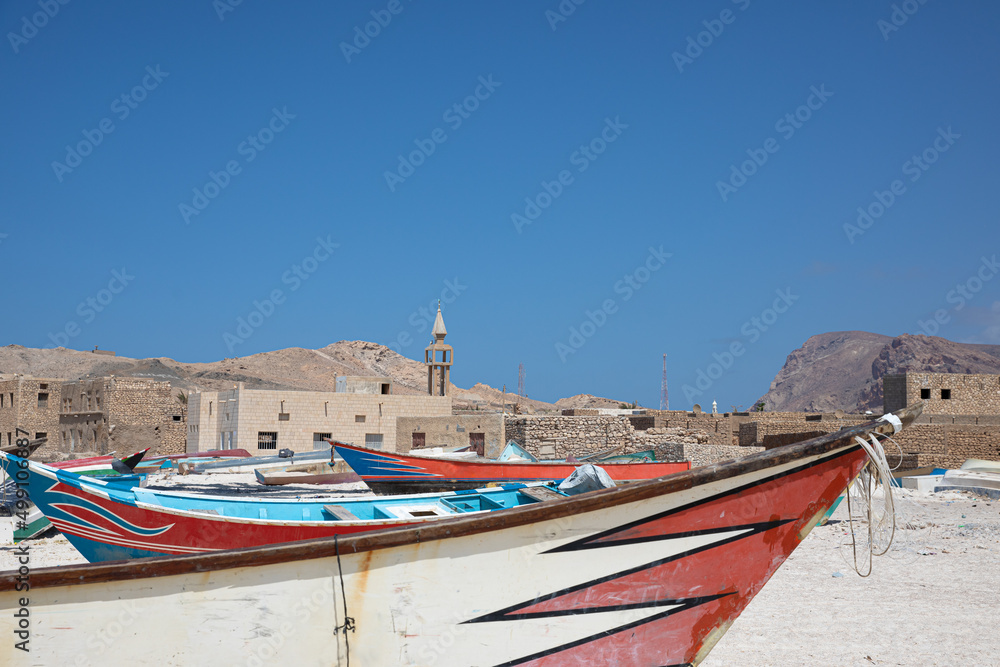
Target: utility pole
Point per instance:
(664, 397)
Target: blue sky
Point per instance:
(587, 186)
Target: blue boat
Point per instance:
(114, 521)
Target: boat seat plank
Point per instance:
(340, 512)
(540, 493)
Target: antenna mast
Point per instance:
(664, 397)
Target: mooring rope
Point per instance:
(348, 621)
(881, 521)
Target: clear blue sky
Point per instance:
(621, 131)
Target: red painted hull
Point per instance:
(392, 473)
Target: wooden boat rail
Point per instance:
(458, 526)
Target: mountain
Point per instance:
(843, 369)
(290, 368)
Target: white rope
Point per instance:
(877, 520)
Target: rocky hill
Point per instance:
(290, 368)
(843, 369)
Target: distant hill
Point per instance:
(843, 369)
(291, 368)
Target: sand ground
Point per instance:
(934, 600)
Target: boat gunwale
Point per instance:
(459, 526)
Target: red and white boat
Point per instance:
(651, 573)
(390, 473)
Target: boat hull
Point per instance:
(386, 472)
(651, 573)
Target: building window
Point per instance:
(283, 416)
(210, 408)
(267, 440)
(176, 418)
(43, 386)
(385, 387)
(320, 440)
(373, 440)
(222, 441)
(1, 400)
(925, 393)
(419, 440)
(946, 394)
(43, 400)
(359, 419)
(39, 436)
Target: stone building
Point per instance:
(29, 405)
(483, 431)
(945, 393)
(557, 437)
(120, 414)
(263, 421)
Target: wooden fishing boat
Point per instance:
(386, 472)
(24, 450)
(155, 463)
(651, 573)
(102, 466)
(313, 473)
(106, 520)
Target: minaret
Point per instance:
(438, 357)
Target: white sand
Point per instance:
(933, 600)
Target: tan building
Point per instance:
(31, 405)
(945, 393)
(484, 432)
(263, 421)
(122, 415)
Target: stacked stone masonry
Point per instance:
(556, 437)
(123, 415)
(945, 393)
(31, 405)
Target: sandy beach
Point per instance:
(931, 601)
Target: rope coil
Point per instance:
(878, 519)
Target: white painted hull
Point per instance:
(412, 603)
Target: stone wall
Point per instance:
(774, 429)
(453, 431)
(702, 455)
(945, 445)
(121, 415)
(945, 393)
(557, 437)
(31, 404)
